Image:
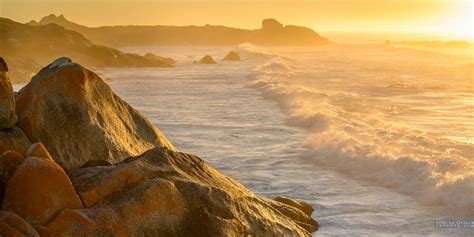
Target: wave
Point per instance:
(346, 133)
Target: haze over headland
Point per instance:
(446, 19)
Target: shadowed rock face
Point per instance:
(164, 193)
(13, 139)
(75, 114)
(7, 99)
(27, 48)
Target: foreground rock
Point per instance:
(207, 60)
(159, 193)
(13, 225)
(9, 162)
(304, 207)
(232, 56)
(75, 114)
(165, 193)
(39, 190)
(7, 99)
(13, 139)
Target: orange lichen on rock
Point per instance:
(68, 222)
(39, 190)
(94, 185)
(12, 225)
(9, 162)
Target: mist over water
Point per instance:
(378, 139)
(396, 117)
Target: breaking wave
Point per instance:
(351, 130)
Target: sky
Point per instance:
(442, 17)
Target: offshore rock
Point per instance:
(207, 60)
(232, 56)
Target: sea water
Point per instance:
(378, 139)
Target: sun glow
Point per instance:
(452, 19)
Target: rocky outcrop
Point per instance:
(232, 56)
(164, 192)
(39, 190)
(78, 118)
(273, 33)
(161, 192)
(12, 225)
(152, 56)
(207, 60)
(7, 99)
(27, 48)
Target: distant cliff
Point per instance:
(272, 33)
(28, 48)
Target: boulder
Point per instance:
(13, 139)
(39, 190)
(68, 223)
(232, 56)
(7, 99)
(168, 193)
(12, 225)
(78, 118)
(9, 162)
(207, 60)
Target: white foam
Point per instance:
(349, 132)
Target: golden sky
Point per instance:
(446, 17)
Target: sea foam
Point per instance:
(353, 128)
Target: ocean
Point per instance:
(379, 139)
